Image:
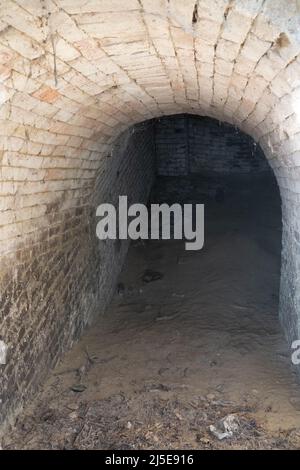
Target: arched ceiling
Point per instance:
(75, 73)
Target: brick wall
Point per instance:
(54, 286)
(191, 144)
(171, 143)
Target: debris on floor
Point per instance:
(225, 428)
(141, 421)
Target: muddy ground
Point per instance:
(190, 338)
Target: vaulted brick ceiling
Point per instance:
(75, 73)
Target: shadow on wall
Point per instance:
(188, 144)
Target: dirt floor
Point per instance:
(199, 344)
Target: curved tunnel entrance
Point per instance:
(189, 336)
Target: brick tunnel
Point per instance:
(101, 98)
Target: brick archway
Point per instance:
(74, 75)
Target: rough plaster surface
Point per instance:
(74, 75)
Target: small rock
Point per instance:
(204, 440)
(211, 396)
(150, 276)
(73, 406)
(78, 388)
